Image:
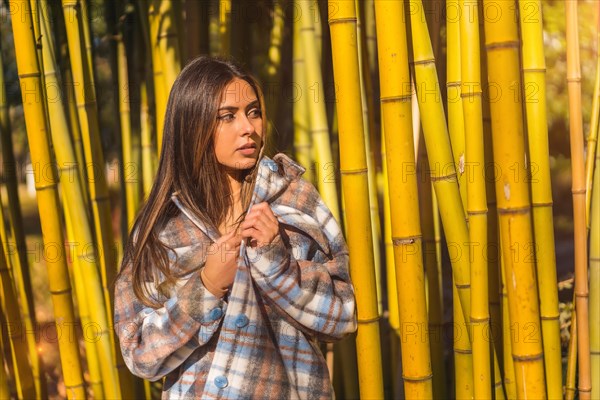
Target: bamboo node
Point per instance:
(62, 291)
(543, 70)
(74, 386)
(503, 45)
(399, 241)
(528, 357)
(450, 177)
(454, 84)
(30, 75)
(424, 61)
(394, 99)
(45, 187)
(463, 351)
(477, 212)
(462, 285)
(418, 378)
(550, 318)
(517, 210)
(543, 204)
(576, 79)
(354, 171)
(368, 320)
(477, 320)
(342, 20)
(584, 295)
(578, 191)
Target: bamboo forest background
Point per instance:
(401, 112)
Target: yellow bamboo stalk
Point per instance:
(91, 353)
(302, 139)
(570, 389)
(443, 173)
(151, 30)
(368, 132)
(456, 125)
(58, 275)
(406, 230)
(130, 170)
(98, 189)
(514, 209)
(579, 211)
(463, 352)
(4, 389)
(20, 271)
(148, 170)
(168, 42)
(313, 93)
(390, 267)
(342, 24)
(476, 196)
(224, 27)
(507, 334)
(534, 85)
(595, 282)
(434, 287)
(592, 138)
(9, 304)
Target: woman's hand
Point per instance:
(221, 263)
(260, 225)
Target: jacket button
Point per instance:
(216, 313)
(241, 321)
(221, 382)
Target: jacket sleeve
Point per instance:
(317, 297)
(155, 341)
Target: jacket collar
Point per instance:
(273, 177)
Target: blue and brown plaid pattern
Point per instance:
(260, 341)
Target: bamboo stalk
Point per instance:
(373, 206)
(4, 389)
(534, 77)
(130, 177)
(463, 352)
(456, 124)
(476, 196)
(20, 270)
(441, 165)
(595, 282)
(406, 229)
(224, 27)
(302, 139)
(9, 304)
(98, 189)
(58, 276)
(392, 291)
(434, 285)
(592, 138)
(313, 93)
(579, 210)
(514, 209)
(507, 334)
(168, 42)
(570, 388)
(151, 30)
(353, 169)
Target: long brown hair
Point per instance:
(188, 166)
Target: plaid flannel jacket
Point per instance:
(259, 341)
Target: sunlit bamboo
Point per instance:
(534, 90)
(595, 281)
(578, 190)
(313, 94)
(592, 138)
(353, 170)
(47, 196)
(514, 209)
(406, 230)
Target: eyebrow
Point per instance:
(231, 108)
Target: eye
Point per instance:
(226, 117)
(255, 113)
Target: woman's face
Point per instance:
(238, 138)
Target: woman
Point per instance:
(235, 267)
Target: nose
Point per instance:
(246, 126)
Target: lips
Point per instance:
(247, 146)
